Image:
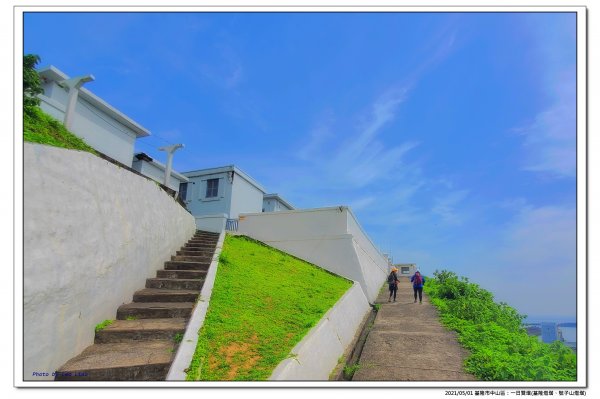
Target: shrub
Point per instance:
(501, 349)
(32, 85)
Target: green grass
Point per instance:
(501, 349)
(177, 338)
(131, 317)
(103, 325)
(263, 303)
(41, 128)
(350, 370)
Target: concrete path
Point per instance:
(408, 343)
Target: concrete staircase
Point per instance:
(140, 344)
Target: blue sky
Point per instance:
(450, 135)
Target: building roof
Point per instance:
(51, 73)
(144, 157)
(223, 169)
(278, 198)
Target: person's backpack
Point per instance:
(391, 278)
(418, 280)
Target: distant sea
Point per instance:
(549, 319)
(569, 332)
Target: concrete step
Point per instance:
(181, 274)
(155, 310)
(142, 329)
(198, 244)
(175, 284)
(193, 258)
(126, 361)
(165, 295)
(196, 251)
(187, 265)
(207, 239)
(183, 265)
(206, 234)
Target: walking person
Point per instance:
(418, 281)
(393, 283)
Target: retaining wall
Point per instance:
(316, 356)
(328, 237)
(93, 233)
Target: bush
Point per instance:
(501, 349)
(32, 85)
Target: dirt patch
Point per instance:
(239, 357)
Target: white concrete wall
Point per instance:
(321, 236)
(93, 233)
(315, 357)
(245, 197)
(213, 223)
(98, 129)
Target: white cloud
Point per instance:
(531, 262)
(550, 139)
(362, 203)
(318, 136)
(234, 78)
(446, 207)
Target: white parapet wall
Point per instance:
(93, 233)
(213, 223)
(328, 237)
(317, 354)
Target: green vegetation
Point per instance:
(501, 349)
(350, 370)
(32, 85)
(39, 127)
(103, 325)
(263, 303)
(131, 317)
(178, 338)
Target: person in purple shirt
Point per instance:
(418, 281)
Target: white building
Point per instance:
(275, 203)
(216, 194)
(102, 126)
(156, 171)
(406, 269)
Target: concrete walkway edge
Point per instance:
(187, 347)
(408, 342)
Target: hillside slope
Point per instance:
(263, 303)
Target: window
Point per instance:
(183, 191)
(212, 188)
(404, 270)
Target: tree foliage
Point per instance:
(32, 85)
(501, 349)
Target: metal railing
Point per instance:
(231, 225)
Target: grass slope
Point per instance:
(39, 127)
(501, 349)
(263, 303)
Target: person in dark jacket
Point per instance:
(393, 283)
(418, 281)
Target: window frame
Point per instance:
(212, 187)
